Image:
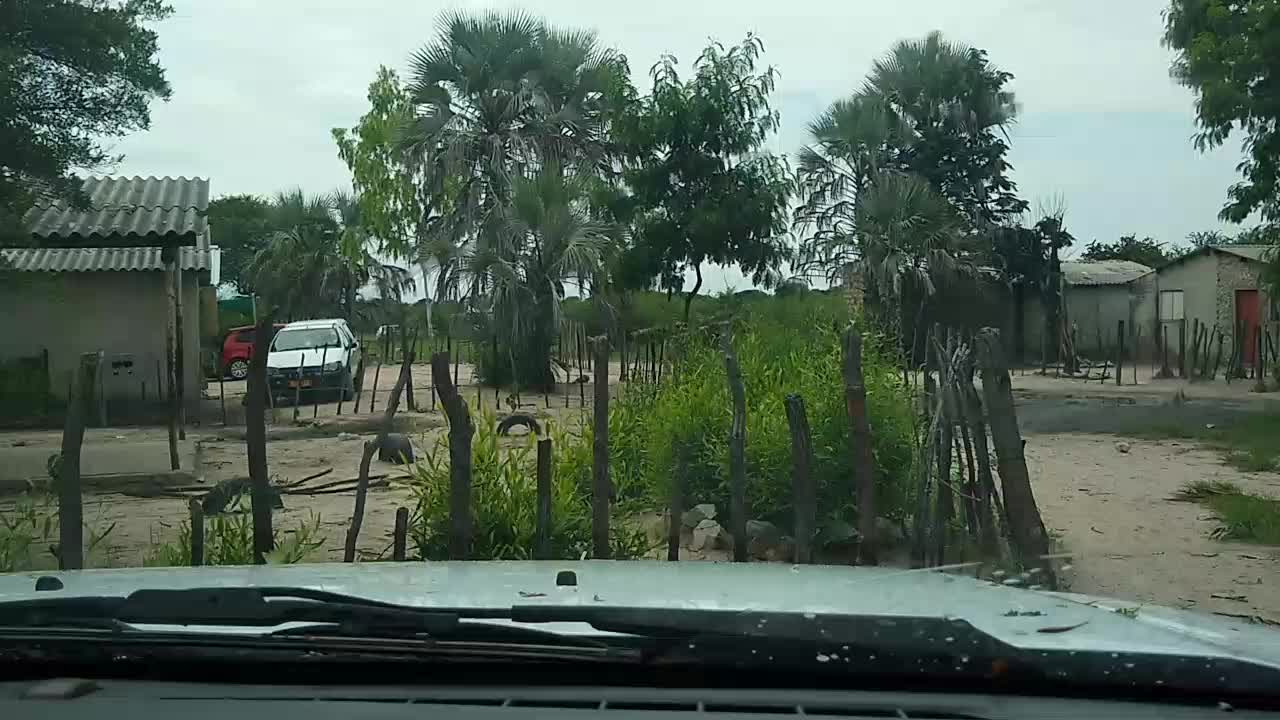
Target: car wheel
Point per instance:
(352, 384)
(238, 369)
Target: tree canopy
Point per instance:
(1145, 251)
(699, 187)
(72, 74)
(239, 226)
(1226, 53)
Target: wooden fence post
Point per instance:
(315, 389)
(461, 430)
(675, 519)
(70, 501)
(542, 536)
(601, 489)
(169, 255)
(855, 399)
(400, 536)
(1259, 361)
(1182, 348)
(366, 457)
(1026, 527)
(373, 394)
(297, 390)
(805, 495)
(737, 449)
(255, 435)
(1119, 350)
(197, 532)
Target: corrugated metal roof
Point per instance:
(126, 209)
(1102, 272)
(98, 259)
(1250, 252)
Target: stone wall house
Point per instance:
(1216, 287)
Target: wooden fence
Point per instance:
(954, 410)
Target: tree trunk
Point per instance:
(256, 439)
(461, 430)
(688, 299)
(855, 398)
(1025, 524)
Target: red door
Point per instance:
(1247, 319)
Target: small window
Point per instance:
(245, 336)
(1170, 305)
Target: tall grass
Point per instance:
(504, 499)
(680, 428)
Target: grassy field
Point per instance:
(1251, 443)
(1245, 516)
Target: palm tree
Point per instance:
(500, 97)
(542, 241)
(318, 258)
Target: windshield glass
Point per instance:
(966, 307)
(305, 339)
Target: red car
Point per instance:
(238, 348)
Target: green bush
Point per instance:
(504, 499)
(228, 540)
(680, 428)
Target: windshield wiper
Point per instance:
(319, 612)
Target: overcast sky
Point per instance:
(258, 84)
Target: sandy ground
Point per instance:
(1111, 511)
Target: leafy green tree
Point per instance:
(1145, 251)
(239, 225)
(699, 186)
(1225, 52)
(72, 74)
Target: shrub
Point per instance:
(680, 428)
(504, 499)
(228, 540)
(29, 534)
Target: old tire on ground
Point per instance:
(238, 369)
(396, 449)
(514, 419)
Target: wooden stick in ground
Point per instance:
(170, 258)
(675, 519)
(855, 400)
(977, 433)
(70, 502)
(315, 389)
(542, 533)
(802, 488)
(297, 388)
(373, 394)
(1026, 527)
(601, 489)
(400, 537)
(366, 457)
(1217, 358)
(461, 430)
(255, 436)
(197, 532)
(737, 449)
(1119, 349)
(180, 354)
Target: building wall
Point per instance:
(1094, 309)
(1237, 273)
(120, 313)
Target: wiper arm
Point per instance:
(252, 607)
(322, 612)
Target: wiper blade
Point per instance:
(312, 613)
